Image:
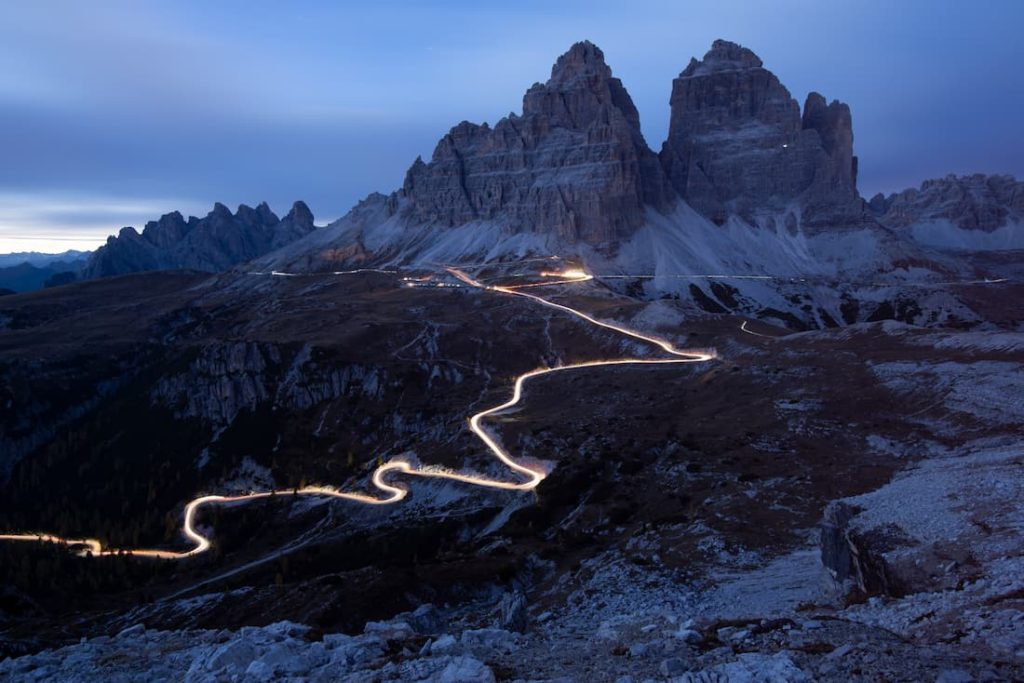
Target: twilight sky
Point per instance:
(114, 112)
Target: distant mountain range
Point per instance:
(976, 212)
(29, 270)
(215, 243)
(36, 258)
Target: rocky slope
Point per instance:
(214, 243)
(972, 213)
(424, 646)
(666, 543)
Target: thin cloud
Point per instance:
(38, 221)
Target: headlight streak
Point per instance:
(743, 328)
(391, 492)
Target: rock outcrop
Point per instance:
(574, 164)
(854, 558)
(214, 243)
(975, 202)
(738, 144)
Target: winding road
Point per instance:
(389, 493)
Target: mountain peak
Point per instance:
(574, 166)
(221, 211)
(581, 84)
(261, 215)
(172, 217)
(583, 58)
(266, 214)
(300, 213)
(724, 55)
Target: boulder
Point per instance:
(426, 619)
(443, 645)
(512, 613)
(464, 670)
(750, 667)
(237, 654)
(856, 557)
(674, 666)
(488, 639)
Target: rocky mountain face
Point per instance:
(978, 217)
(573, 173)
(974, 202)
(214, 243)
(747, 184)
(738, 144)
(574, 164)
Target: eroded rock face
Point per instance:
(574, 164)
(855, 558)
(214, 243)
(975, 202)
(738, 144)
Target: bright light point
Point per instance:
(571, 273)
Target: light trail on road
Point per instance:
(392, 493)
(743, 328)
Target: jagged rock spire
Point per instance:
(213, 243)
(737, 143)
(574, 164)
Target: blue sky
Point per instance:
(112, 113)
